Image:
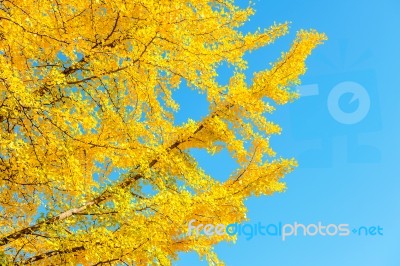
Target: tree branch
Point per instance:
(99, 199)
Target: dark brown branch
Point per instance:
(99, 199)
(51, 254)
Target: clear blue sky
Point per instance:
(344, 132)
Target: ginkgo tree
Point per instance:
(87, 119)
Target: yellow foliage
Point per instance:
(87, 119)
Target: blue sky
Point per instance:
(344, 132)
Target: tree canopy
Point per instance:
(87, 120)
